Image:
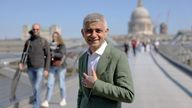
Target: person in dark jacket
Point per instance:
(58, 67)
(38, 62)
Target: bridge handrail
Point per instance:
(187, 69)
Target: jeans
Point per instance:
(51, 81)
(36, 77)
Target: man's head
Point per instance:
(36, 29)
(94, 30)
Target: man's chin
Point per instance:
(94, 44)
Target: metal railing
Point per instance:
(176, 55)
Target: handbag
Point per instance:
(58, 62)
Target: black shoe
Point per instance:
(31, 99)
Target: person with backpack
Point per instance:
(38, 62)
(58, 67)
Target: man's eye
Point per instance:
(88, 31)
(98, 30)
(91, 30)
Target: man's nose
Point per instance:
(94, 33)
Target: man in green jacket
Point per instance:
(104, 75)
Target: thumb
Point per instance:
(94, 72)
(85, 75)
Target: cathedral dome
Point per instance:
(140, 21)
(140, 13)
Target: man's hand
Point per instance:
(88, 80)
(21, 66)
(46, 73)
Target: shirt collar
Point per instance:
(100, 50)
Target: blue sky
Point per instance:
(68, 14)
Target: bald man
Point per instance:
(38, 62)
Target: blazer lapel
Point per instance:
(84, 70)
(84, 63)
(103, 61)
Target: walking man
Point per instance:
(38, 62)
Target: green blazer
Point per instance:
(114, 84)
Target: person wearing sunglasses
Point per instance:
(38, 62)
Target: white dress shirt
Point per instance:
(93, 58)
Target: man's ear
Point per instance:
(82, 32)
(107, 31)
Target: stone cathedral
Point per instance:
(140, 24)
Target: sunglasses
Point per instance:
(36, 29)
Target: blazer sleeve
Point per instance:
(122, 89)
